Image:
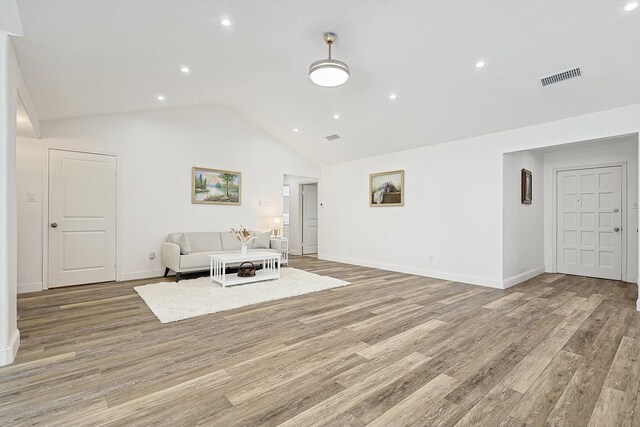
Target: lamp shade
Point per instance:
(329, 73)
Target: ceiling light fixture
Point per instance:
(185, 70)
(329, 72)
(296, 130)
(225, 22)
(160, 97)
(479, 64)
(393, 96)
(631, 6)
(336, 116)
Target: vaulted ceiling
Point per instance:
(90, 57)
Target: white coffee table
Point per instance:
(218, 264)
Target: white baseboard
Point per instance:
(29, 287)
(137, 275)
(519, 278)
(8, 353)
(480, 281)
(632, 279)
(638, 305)
(548, 268)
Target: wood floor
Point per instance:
(389, 350)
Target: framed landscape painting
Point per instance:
(386, 188)
(215, 186)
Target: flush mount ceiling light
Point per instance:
(630, 6)
(329, 72)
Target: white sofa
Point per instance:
(202, 244)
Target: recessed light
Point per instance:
(296, 130)
(479, 64)
(225, 22)
(393, 96)
(631, 6)
(185, 70)
(336, 116)
(160, 97)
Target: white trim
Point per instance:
(623, 207)
(479, 281)
(8, 353)
(638, 305)
(548, 268)
(137, 275)
(45, 207)
(29, 287)
(632, 279)
(519, 278)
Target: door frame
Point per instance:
(302, 214)
(45, 207)
(623, 207)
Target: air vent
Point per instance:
(561, 77)
(332, 137)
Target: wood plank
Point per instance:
(438, 353)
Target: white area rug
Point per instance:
(171, 301)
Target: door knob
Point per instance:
(54, 224)
(616, 210)
(616, 229)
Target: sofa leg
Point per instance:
(178, 276)
(166, 271)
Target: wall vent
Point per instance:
(561, 77)
(332, 137)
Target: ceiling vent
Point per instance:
(332, 137)
(561, 77)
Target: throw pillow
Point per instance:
(183, 242)
(262, 240)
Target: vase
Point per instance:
(244, 250)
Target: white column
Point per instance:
(9, 334)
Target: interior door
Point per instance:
(309, 219)
(82, 218)
(589, 221)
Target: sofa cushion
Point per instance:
(204, 241)
(182, 241)
(197, 259)
(262, 240)
(230, 242)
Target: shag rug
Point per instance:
(171, 301)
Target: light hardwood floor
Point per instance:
(389, 350)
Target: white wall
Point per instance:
(453, 204)
(295, 211)
(614, 151)
(31, 158)
(157, 150)
(9, 76)
(523, 225)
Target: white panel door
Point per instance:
(82, 218)
(589, 219)
(309, 219)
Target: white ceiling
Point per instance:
(91, 57)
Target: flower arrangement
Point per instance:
(243, 234)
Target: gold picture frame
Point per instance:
(386, 189)
(216, 186)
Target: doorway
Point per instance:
(300, 214)
(309, 194)
(81, 222)
(590, 217)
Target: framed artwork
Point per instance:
(526, 193)
(215, 186)
(386, 188)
